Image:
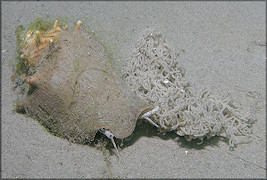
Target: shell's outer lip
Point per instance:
(36, 42)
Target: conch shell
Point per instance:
(75, 90)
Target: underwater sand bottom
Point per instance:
(28, 150)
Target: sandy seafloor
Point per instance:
(222, 47)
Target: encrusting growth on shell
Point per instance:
(36, 42)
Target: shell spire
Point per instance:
(36, 42)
